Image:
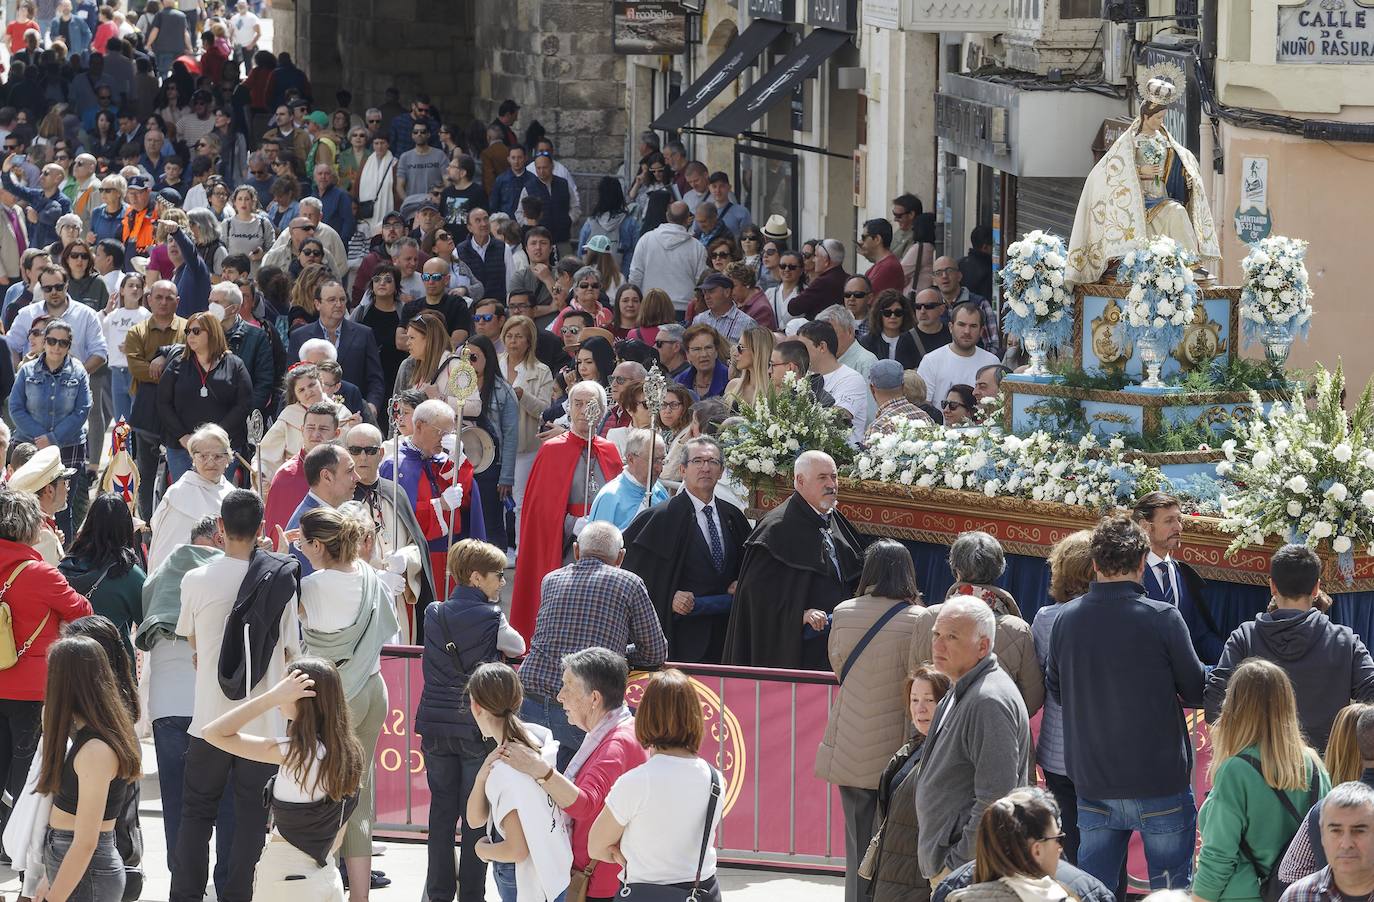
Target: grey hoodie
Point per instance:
(1327, 664)
(671, 259)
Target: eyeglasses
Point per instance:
(720, 255)
(806, 256)
(61, 158)
(365, 450)
(789, 266)
(589, 285)
(483, 317)
(210, 455)
(34, 333)
(665, 341)
(57, 342)
(312, 252)
(1056, 837)
(901, 214)
(443, 236)
(432, 277)
(894, 313)
(620, 380)
(304, 228)
(473, 358)
(703, 461)
(372, 121)
(57, 286)
(770, 252)
(195, 330)
(864, 237)
(739, 347)
(570, 330)
(947, 271)
(928, 306)
(951, 405)
(856, 294)
(702, 349)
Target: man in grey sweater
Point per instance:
(979, 744)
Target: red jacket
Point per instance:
(38, 590)
(617, 753)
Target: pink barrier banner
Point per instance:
(762, 731)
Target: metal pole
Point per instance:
(394, 415)
(655, 391)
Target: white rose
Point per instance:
(1228, 448)
(1026, 272)
(1041, 308)
(930, 462)
(1338, 491)
(1295, 508)
(1297, 485)
(1071, 498)
(1342, 453)
(1367, 498)
(1056, 279)
(905, 478)
(1159, 322)
(1271, 281)
(1224, 468)
(1341, 544)
(769, 468)
(1167, 308)
(990, 488)
(954, 480)
(926, 481)
(1264, 458)
(1321, 529)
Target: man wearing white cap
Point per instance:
(46, 478)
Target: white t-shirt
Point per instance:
(171, 679)
(661, 804)
(942, 368)
(290, 787)
(116, 324)
(207, 597)
(330, 599)
(544, 872)
(244, 26)
(850, 391)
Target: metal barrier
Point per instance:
(762, 730)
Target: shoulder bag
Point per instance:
(681, 892)
(367, 207)
(9, 655)
(1270, 886)
(870, 635)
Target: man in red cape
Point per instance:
(558, 468)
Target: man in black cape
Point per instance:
(803, 558)
(688, 552)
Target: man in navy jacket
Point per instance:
(485, 254)
(338, 206)
(357, 345)
(1170, 580)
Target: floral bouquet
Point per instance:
(778, 427)
(1038, 467)
(1161, 301)
(1153, 151)
(1303, 475)
(1037, 302)
(1275, 301)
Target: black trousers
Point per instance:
(21, 723)
(147, 454)
(209, 772)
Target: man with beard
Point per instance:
(1170, 580)
(802, 559)
(688, 553)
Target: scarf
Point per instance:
(162, 593)
(356, 650)
(1031, 889)
(597, 733)
(375, 185)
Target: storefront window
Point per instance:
(766, 183)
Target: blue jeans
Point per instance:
(164, 62)
(103, 879)
(178, 462)
(547, 712)
(121, 382)
(505, 882)
(170, 742)
(1166, 824)
(451, 766)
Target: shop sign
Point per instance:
(882, 13)
(776, 10)
(972, 123)
(836, 15)
(1326, 31)
(649, 26)
(1253, 220)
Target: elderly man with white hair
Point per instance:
(623, 497)
(248, 342)
(590, 603)
(801, 560)
(437, 479)
(335, 253)
(568, 472)
(979, 745)
(851, 353)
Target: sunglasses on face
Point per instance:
(195, 330)
(312, 252)
(586, 286)
(483, 317)
(856, 294)
(365, 450)
(894, 313)
(570, 330)
(928, 306)
(57, 286)
(720, 255)
(951, 405)
(57, 342)
(374, 122)
(432, 277)
(790, 267)
(443, 236)
(473, 358)
(35, 333)
(78, 256)
(61, 158)
(665, 341)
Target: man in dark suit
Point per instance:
(1170, 580)
(357, 345)
(688, 552)
(484, 254)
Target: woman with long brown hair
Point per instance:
(206, 384)
(313, 794)
(1016, 851)
(89, 783)
(346, 616)
(535, 857)
(430, 346)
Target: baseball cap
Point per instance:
(393, 215)
(599, 243)
(427, 205)
(139, 182)
(319, 117)
(171, 195)
(716, 280)
(885, 374)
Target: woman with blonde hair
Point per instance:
(533, 385)
(1264, 779)
(303, 311)
(1343, 759)
(749, 365)
(1071, 570)
(346, 616)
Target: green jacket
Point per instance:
(1241, 805)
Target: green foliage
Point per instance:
(1187, 435)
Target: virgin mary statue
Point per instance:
(1147, 184)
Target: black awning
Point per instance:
(742, 52)
(772, 88)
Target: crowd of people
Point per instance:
(286, 385)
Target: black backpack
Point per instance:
(1270, 886)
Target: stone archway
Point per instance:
(716, 152)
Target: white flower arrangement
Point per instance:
(1303, 475)
(778, 427)
(1163, 294)
(1035, 294)
(1276, 290)
(1039, 467)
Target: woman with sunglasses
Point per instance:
(107, 218)
(655, 178)
(599, 253)
(127, 311)
(749, 363)
(586, 296)
(84, 284)
(751, 243)
(723, 251)
(768, 264)
(495, 409)
(352, 159)
(217, 195)
(205, 384)
(311, 252)
(959, 406)
(51, 397)
(427, 338)
(890, 321)
(791, 279)
(1016, 850)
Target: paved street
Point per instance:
(404, 863)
